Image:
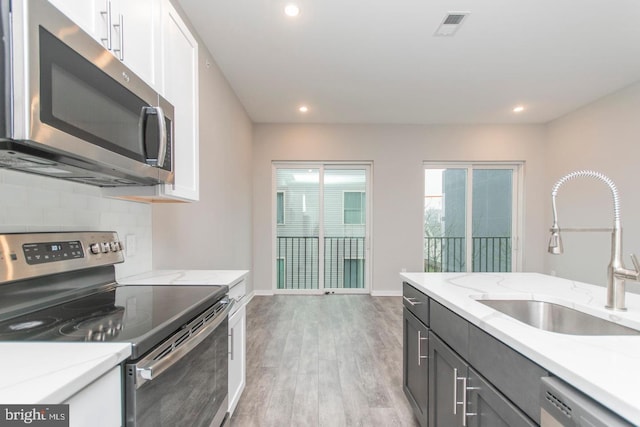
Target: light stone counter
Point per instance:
(50, 373)
(186, 277)
(607, 368)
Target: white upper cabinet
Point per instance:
(129, 29)
(151, 38)
(85, 13)
(180, 88)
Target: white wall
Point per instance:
(397, 153)
(604, 136)
(214, 233)
(31, 203)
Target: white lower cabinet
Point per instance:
(99, 404)
(237, 362)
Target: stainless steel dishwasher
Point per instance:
(564, 406)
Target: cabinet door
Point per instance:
(416, 365)
(237, 357)
(489, 408)
(180, 75)
(87, 14)
(99, 404)
(136, 27)
(129, 29)
(447, 378)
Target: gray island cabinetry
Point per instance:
(460, 376)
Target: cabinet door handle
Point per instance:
(108, 16)
(231, 344)
(464, 399)
(120, 27)
(420, 339)
(411, 301)
(455, 391)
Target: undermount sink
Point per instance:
(556, 318)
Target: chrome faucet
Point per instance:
(616, 271)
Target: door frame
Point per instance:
(322, 166)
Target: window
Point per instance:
(470, 217)
(354, 207)
(280, 207)
(353, 275)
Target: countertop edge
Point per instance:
(601, 394)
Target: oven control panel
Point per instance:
(38, 253)
(27, 255)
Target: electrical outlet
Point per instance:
(130, 245)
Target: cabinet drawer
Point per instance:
(517, 377)
(416, 302)
(451, 328)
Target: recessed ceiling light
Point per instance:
(518, 109)
(303, 109)
(292, 10)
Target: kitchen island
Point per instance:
(606, 368)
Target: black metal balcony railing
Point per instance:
(344, 262)
(297, 261)
(448, 254)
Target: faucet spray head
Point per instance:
(555, 242)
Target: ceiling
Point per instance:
(378, 61)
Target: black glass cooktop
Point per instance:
(141, 315)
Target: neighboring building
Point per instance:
(445, 241)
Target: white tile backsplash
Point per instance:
(30, 203)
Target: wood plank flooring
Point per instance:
(331, 360)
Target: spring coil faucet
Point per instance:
(616, 271)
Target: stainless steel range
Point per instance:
(62, 287)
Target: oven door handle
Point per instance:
(148, 369)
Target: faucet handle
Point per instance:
(635, 262)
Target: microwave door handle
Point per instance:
(162, 131)
(162, 135)
(142, 126)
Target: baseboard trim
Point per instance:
(270, 293)
(386, 293)
(262, 293)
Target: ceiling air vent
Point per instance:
(450, 24)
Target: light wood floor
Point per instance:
(332, 360)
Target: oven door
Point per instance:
(183, 381)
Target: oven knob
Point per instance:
(94, 248)
(105, 247)
(115, 246)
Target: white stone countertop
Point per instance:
(186, 277)
(607, 368)
(50, 373)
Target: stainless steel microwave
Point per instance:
(71, 109)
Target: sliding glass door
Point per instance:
(322, 221)
(470, 218)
